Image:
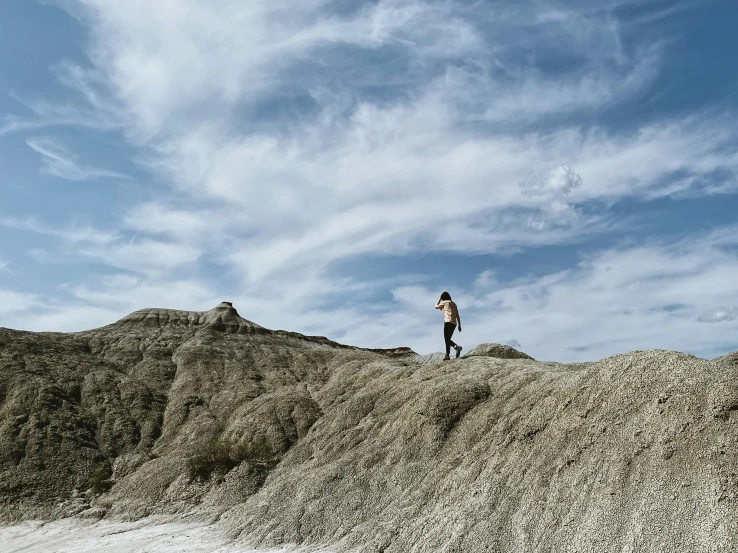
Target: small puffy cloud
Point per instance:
(549, 190)
(513, 344)
(556, 183)
(719, 315)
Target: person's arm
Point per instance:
(438, 304)
(458, 319)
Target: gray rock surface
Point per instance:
(373, 450)
(501, 351)
(428, 358)
(730, 358)
(223, 317)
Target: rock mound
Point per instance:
(499, 351)
(429, 358)
(224, 317)
(730, 358)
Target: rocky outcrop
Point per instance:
(429, 358)
(730, 358)
(224, 317)
(369, 450)
(500, 351)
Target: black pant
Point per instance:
(448, 331)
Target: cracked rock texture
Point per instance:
(375, 450)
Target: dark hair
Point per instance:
(446, 296)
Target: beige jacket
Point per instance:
(450, 312)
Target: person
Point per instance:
(450, 319)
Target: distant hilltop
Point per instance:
(222, 317)
(291, 439)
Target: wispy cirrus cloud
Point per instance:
(59, 161)
(73, 234)
(93, 106)
(147, 256)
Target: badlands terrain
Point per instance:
(271, 438)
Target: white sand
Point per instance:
(146, 536)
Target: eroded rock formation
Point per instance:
(380, 450)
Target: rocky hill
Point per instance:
(283, 438)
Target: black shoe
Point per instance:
(458, 351)
(447, 358)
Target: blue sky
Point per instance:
(567, 170)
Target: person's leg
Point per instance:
(448, 331)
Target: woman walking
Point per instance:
(450, 319)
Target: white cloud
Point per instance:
(62, 317)
(12, 302)
(125, 293)
(72, 234)
(447, 191)
(58, 161)
(101, 301)
(189, 55)
(94, 113)
(553, 184)
(141, 255)
(719, 315)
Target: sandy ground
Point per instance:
(75, 536)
